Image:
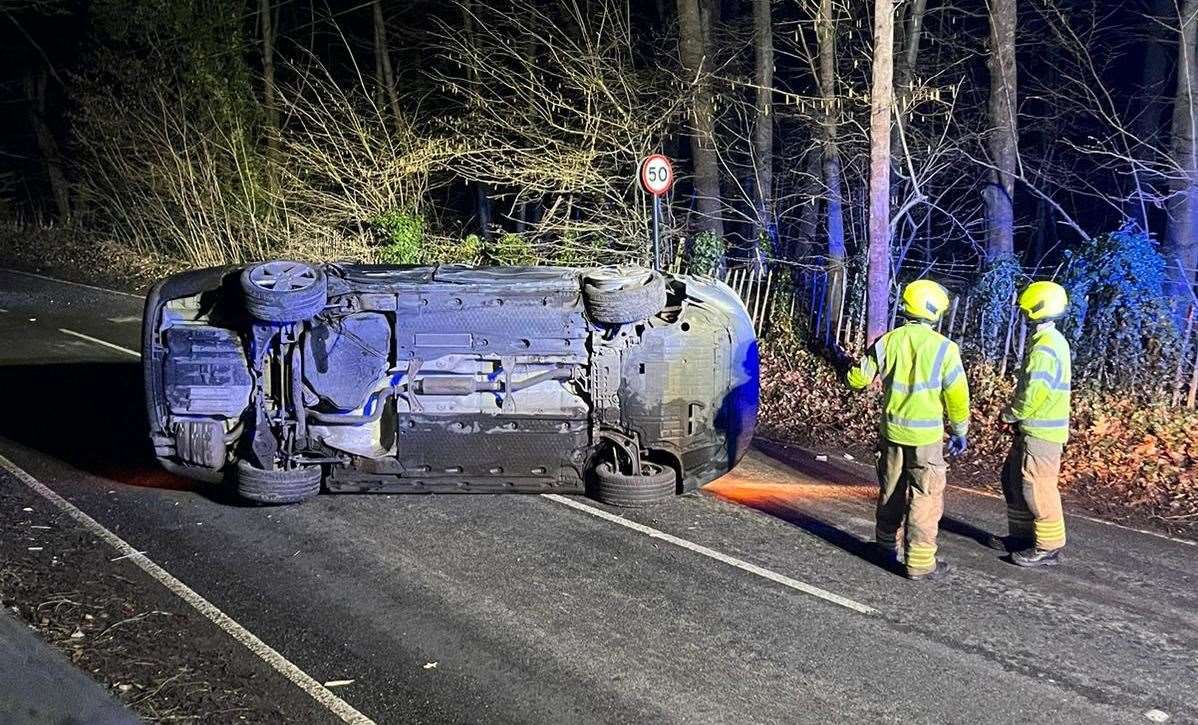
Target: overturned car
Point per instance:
(621, 382)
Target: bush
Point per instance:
(512, 250)
(404, 237)
(468, 250)
(994, 292)
(1119, 315)
(706, 251)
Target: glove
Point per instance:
(957, 445)
(841, 360)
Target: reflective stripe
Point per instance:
(917, 422)
(1052, 381)
(1050, 534)
(1049, 350)
(937, 364)
(933, 382)
(898, 387)
(1045, 423)
(880, 355)
(952, 376)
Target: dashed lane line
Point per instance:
(741, 564)
(281, 664)
(73, 284)
(1091, 519)
(98, 341)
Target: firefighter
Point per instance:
(921, 376)
(1039, 420)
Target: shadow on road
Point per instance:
(90, 415)
(822, 481)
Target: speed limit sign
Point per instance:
(657, 175)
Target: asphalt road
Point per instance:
(535, 611)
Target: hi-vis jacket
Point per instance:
(921, 376)
(1041, 406)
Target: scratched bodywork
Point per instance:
(447, 379)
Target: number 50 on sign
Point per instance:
(657, 175)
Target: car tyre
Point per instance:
(277, 487)
(284, 291)
(655, 485)
(619, 295)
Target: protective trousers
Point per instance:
(1029, 483)
(911, 498)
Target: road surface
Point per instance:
(751, 602)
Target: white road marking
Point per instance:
(298, 677)
(127, 319)
(854, 462)
(98, 341)
(73, 284)
(773, 576)
(1091, 519)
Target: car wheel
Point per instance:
(277, 487)
(653, 486)
(619, 295)
(284, 291)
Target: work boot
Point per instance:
(941, 571)
(1036, 557)
(1009, 544)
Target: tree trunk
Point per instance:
(826, 34)
(881, 100)
(904, 77)
(1148, 126)
(763, 130)
(1181, 247)
(382, 53)
(47, 145)
(1004, 129)
(805, 242)
(484, 209)
(482, 190)
(694, 54)
(269, 96)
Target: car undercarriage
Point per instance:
(624, 383)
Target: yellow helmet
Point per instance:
(1043, 301)
(924, 299)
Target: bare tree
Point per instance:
(47, 144)
(382, 54)
(830, 100)
(269, 93)
(695, 55)
(1181, 244)
(1149, 122)
(1004, 133)
(881, 100)
(482, 190)
(562, 129)
(763, 128)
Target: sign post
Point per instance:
(657, 177)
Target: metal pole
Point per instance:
(656, 230)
